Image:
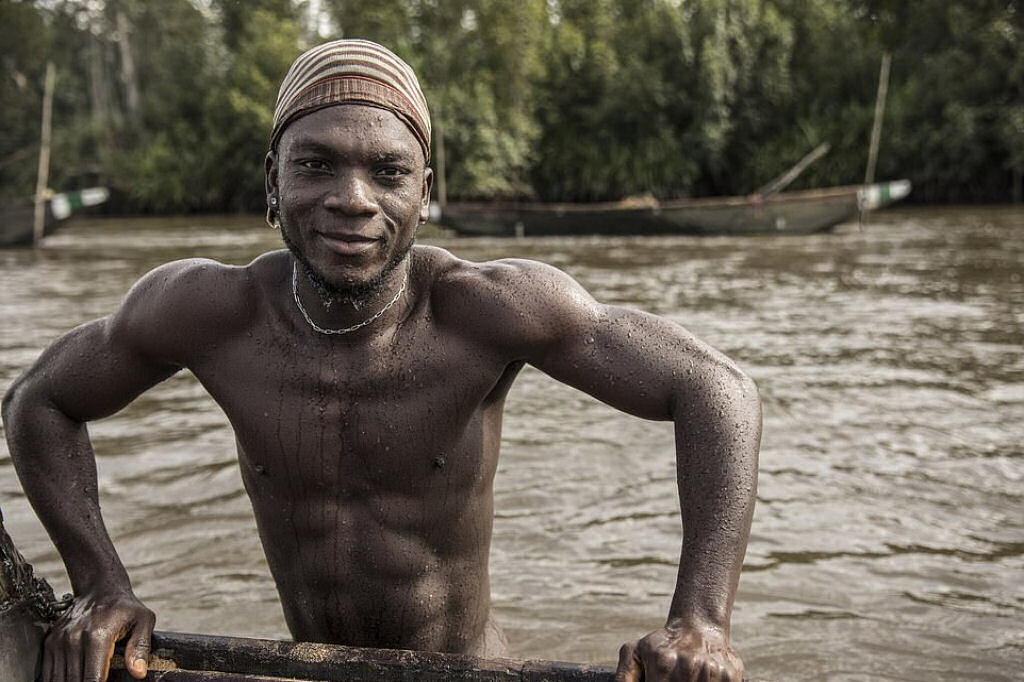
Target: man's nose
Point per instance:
(351, 195)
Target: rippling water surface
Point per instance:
(889, 536)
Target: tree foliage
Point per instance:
(169, 103)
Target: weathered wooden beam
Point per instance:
(197, 676)
(256, 660)
(780, 183)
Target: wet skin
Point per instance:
(369, 457)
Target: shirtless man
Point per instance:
(365, 379)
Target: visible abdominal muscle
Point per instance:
(384, 572)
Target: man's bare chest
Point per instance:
(345, 417)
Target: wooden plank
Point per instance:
(195, 676)
(254, 660)
(206, 658)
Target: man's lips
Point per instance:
(347, 244)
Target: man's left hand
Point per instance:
(680, 654)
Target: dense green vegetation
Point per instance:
(169, 102)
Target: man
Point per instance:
(365, 379)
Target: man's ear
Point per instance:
(428, 185)
(270, 173)
(270, 183)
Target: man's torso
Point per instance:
(369, 462)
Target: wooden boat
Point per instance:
(28, 606)
(17, 219)
(802, 212)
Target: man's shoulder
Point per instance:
(506, 299)
(199, 293)
(197, 281)
(454, 276)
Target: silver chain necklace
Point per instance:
(344, 330)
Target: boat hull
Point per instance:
(790, 213)
(17, 220)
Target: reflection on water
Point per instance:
(889, 536)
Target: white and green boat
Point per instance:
(17, 220)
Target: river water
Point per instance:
(888, 542)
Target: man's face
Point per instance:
(352, 189)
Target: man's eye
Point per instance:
(391, 171)
(314, 164)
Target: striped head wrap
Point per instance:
(356, 71)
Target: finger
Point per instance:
(707, 672)
(73, 663)
(731, 674)
(697, 672)
(629, 669)
(110, 655)
(99, 649)
(48, 670)
(732, 668)
(136, 652)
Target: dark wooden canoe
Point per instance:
(802, 212)
(17, 219)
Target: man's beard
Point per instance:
(355, 293)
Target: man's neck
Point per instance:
(336, 313)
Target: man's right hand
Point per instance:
(81, 642)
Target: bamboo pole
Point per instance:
(442, 171)
(876, 128)
(781, 182)
(43, 176)
(128, 76)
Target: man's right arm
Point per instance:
(91, 372)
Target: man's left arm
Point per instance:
(653, 368)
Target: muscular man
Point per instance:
(365, 379)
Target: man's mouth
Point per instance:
(347, 244)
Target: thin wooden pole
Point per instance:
(876, 129)
(43, 176)
(781, 182)
(442, 171)
(128, 77)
